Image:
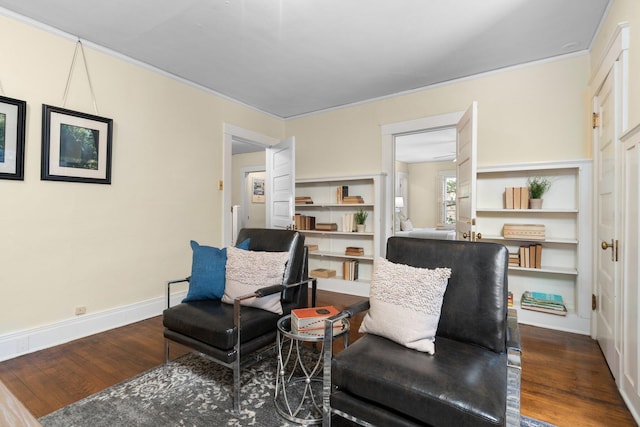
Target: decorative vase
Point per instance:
(360, 228)
(535, 203)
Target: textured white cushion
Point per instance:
(406, 225)
(248, 271)
(405, 304)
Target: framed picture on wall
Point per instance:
(257, 193)
(75, 146)
(12, 125)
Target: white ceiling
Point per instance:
(293, 57)
(431, 146)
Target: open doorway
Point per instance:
(425, 182)
(405, 195)
(244, 177)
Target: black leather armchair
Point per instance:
(473, 379)
(233, 335)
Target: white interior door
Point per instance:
(630, 367)
(605, 141)
(281, 182)
(466, 159)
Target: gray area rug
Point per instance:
(190, 391)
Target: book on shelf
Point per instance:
(524, 231)
(341, 192)
(516, 197)
(323, 273)
(311, 247)
(530, 256)
(304, 222)
(543, 302)
(310, 321)
(354, 251)
(303, 200)
(508, 197)
(352, 200)
(350, 269)
(348, 223)
(524, 197)
(514, 259)
(326, 226)
(510, 299)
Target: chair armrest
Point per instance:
(173, 282)
(356, 308)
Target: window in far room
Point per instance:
(446, 199)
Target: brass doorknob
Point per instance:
(606, 245)
(465, 235)
(479, 236)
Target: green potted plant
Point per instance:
(360, 217)
(538, 185)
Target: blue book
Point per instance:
(541, 296)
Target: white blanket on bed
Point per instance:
(429, 233)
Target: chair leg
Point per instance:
(166, 351)
(236, 386)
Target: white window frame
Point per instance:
(441, 205)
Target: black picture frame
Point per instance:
(13, 113)
(76, 147)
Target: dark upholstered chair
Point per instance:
(473, 379)
(233, 335)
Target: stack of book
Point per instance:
(350, 269)
(516, 198)
(352, 199)
(354, 251)
(310, 321)
(303, 200)
(510, 299)
(326, 226)
(546, 303)
(514, 259)
(348, 223)
(304, 222)
(311, 247)
(324, 273)
(530, 256)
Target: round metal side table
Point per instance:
(298, 394)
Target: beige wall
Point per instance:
(531, 113)
(627, 12)
(104, 246)
(423, 192)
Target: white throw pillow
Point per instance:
(405, 304)
(248, 271)
(406, 225)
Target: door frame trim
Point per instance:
(388, 133)
(229, 132)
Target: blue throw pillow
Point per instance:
(208, 271)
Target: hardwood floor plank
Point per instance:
(565, 379)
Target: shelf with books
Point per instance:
(564, 267)
(319, 253)
(327, 201)
(339, 233)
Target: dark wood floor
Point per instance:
(565, 380)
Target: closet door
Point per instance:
(607, 289)
(630, 375)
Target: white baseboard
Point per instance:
(23, 342)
